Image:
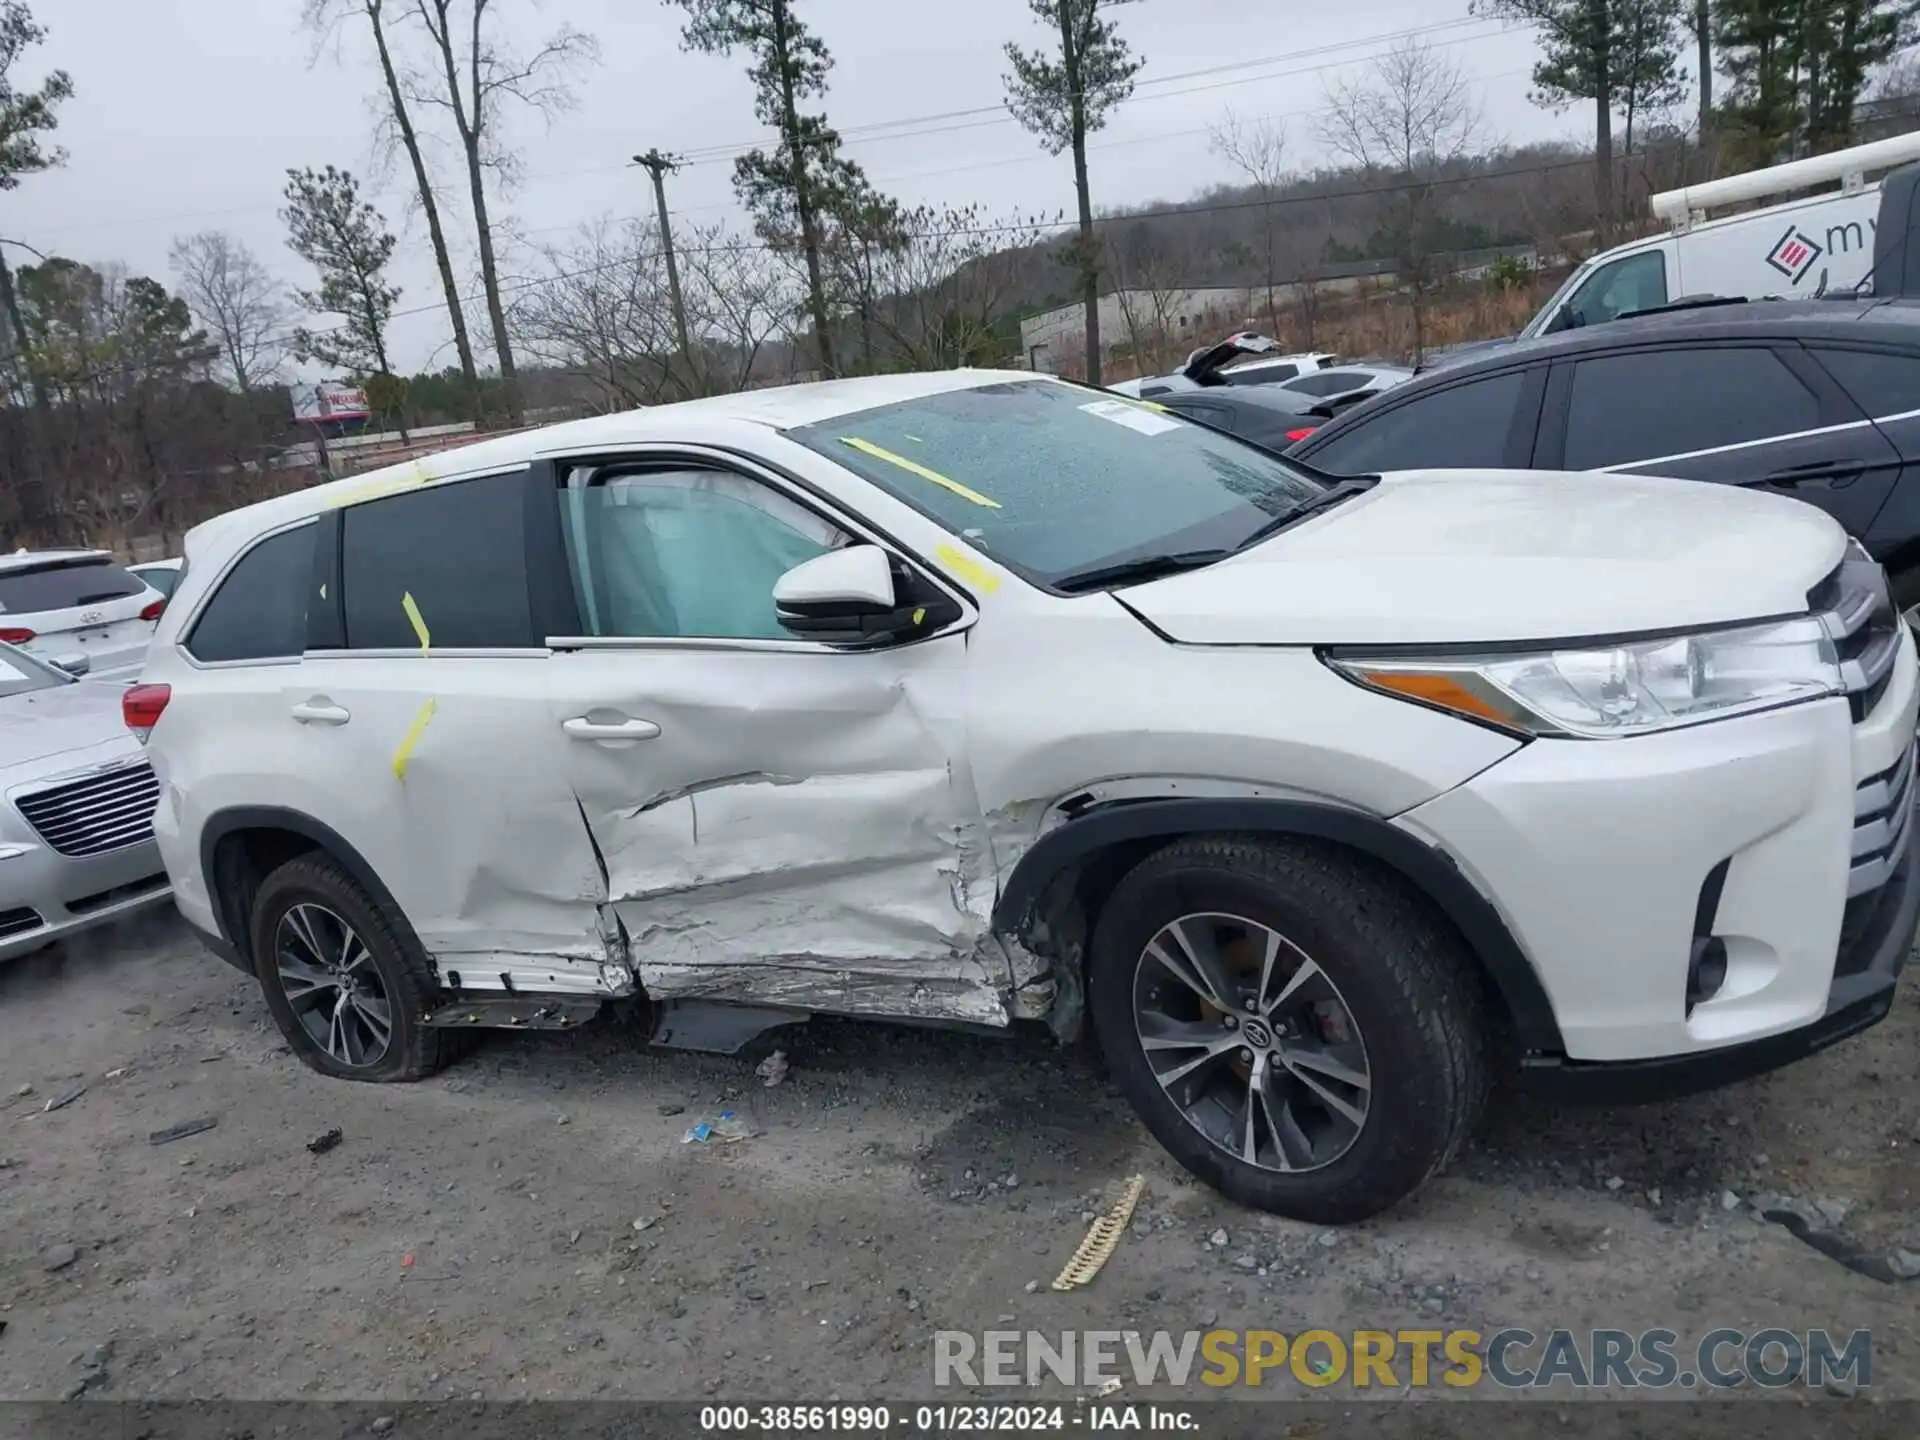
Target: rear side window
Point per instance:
(1645, 406)
(162, 579)
(259, 612)
(459, 550)
(1880, 384)
(1459, 427)
(1329, 382)
(61, 587)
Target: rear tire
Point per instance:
(347, 985)
(1350, 1060)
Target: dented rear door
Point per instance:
(777, 821)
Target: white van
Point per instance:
(1814, 245)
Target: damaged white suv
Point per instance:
(975, 698)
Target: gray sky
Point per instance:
(187, 114)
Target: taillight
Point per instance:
(141, 707)
(16, 637)
(152, 612)
(1295, 436)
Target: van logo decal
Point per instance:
(1793, 253)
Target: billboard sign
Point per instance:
(329, 401)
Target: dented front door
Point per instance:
(788, 827)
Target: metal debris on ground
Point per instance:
(725, 1127)
(60, 1102)
(1102, 1238)
(322, 1143)
(773, 1069)
(182, 1130)
(646, 1222)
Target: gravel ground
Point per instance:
(530, 1223)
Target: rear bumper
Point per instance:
(1866, 975)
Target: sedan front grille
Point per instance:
(103, 812)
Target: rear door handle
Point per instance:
(320, 711)
(1822, 472)
(582, 728)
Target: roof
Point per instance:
(711, 420)
(1746, 320)
(45, 559)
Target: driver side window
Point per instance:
(1635, 282)
(684, 552)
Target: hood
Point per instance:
(43, 724)
(1476, 557)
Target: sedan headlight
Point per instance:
(1633, 688)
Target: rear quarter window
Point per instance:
(64, 587)
(1880, 383)
(259, 611)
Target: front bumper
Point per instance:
(46, 896)
(1601, 857)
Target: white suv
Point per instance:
(975, 698)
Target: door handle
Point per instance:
(582, 728)
(320, 711)
(1821, 472)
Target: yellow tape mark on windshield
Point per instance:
(914, 467)
(413, 616)
(1153, 405)
(968, 569)
(412, 738)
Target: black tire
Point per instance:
(1411, 988)
(412, 1051)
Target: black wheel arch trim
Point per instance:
(272, 817)
(1430, 870)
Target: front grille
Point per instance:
(103, 812)
(1882, 808)
(18, 922)
(1855, 608)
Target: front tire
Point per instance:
(346, 985)
(1296, 1029)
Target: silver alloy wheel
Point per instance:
(334, 988)
(1252, 1041)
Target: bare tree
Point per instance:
(1410, 118)
(1149, 287)
(396, 127)
(950, 283)
(478, 73)
(1257, 148)
(243, 307)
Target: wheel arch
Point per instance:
(1081, 860)
(241, 846)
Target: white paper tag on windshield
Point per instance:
(1134, 417)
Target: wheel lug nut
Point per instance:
(1228, 1021)
(1246, 1054)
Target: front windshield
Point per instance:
(1546, 312)
(1053, 479)
(20, 673)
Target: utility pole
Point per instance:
(658, 165)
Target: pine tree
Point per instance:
(1798, 68)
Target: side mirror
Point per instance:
(74, 663)
(858, 595)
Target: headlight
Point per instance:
(1629, 689)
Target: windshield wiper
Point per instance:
(1345, 490)
(1140, 568)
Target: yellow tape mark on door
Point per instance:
(412, 738)
(914, 467)
(967, 568)
(418, 623)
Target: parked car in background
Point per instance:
(1272, 416)
(1818, 400)
(1059, 706)
(57, 602)
(1349, 378)
(1241, 359)
(76, 825)
(162, 575)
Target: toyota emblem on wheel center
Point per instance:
(1793, 253)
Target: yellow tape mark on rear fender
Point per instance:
(914, 467)
(414, 617)
(1102, 1239)
(412, 738)
(968, 569)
